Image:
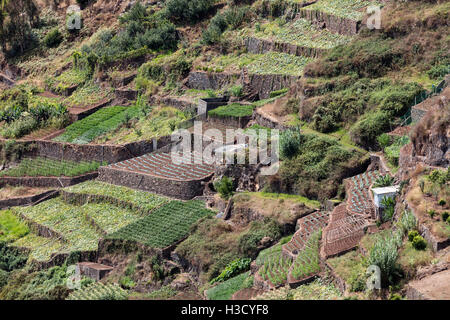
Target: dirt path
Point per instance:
(434, 287)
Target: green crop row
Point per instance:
(165, 225)
(99, 291)
(98, 123)
(307, 262)
(350, 9)
(235, 110)
(279, 63)
(34, 167)
(145, 200)
(300, 32)
(73, 223)
(275, 268)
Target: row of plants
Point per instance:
(145, 200)
(234, 110)
(224, 290)
(350, 9)
(99, 291)
(165, 225)
(307, 262)
(39, 166)
(11, 227)
(154, 123)
(103, 121)
(391, 146)
(300, 32)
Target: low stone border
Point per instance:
(84, 112)
(40, 229)
(332, 23)
(258, 46)
(337, 280)
(24, 201)
(49, 182)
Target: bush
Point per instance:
(233, 269)
(369, 127)
(419, 243)
(290, 141)
(277, 93)
(188, 11)
(248, 242)
(442, 202)
(236, 91)
(384, 254)
(3, 278)
(383, 181)
(384, 140)
(53, 38)
(412, 234)
(445, 216)
(231, 18)
(431, 213)
(224, 187)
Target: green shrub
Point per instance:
(236, 91)
(442, 202)
(369, 127)
(412, 234)
(438, 71)
(388, 204)
(249, 241)
(53, 38)
(431, 213)
(224, 187)
(232, 269)
(188, 11)
(231, 18)
(290, 141)
(383, 181)
(419, 243)
(277, 93)
(3, 278)
(384, 254)
(384, 140)
(445, 216)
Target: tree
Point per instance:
(16, 21)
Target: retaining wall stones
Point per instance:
(332, 23)
(257, 46)
(239, 122)
(46, 182)
(176, 189)
(264, 84)
(23, 201)
(201, 80)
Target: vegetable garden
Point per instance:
(165, 225)
(35, 167)
(99, 291)
(350, 9)
(98, 123)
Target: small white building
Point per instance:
(383, 192)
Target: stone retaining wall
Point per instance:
(176, 189)
(332, 23)
(239, 122)
(46, 182)
(257, 46)
(264, 84)
(23, 201)
(201, 80)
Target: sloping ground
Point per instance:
(434, 287)
(160, 165)
(359, 201)
(307, 226)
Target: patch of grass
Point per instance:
(35, 167)
(98, 123)
(224, 290)
(11, 227)
(351, 267)
(87, 95)
(234, 110)
(294, 197)
(410, 258)
(349, 9)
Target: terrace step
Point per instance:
(156, 172)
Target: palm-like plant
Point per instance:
(383, 181)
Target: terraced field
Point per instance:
(73, 224)
(263, 64)
(99, 291)
(359, 201)
(160, 164)
(350, 9)
(300, 32)
(164, 226)
(35, 167)
(98, 123)
(307, 262)
(145, 200)
(235, 110)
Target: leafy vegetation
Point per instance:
(35, 167)
(224, 290)
(224, 187)
(11, 228)
(307, 262)
(234, 110)
(235, 267)
(98, 123)
(99, 291)
(349, 9)
(152, 230)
